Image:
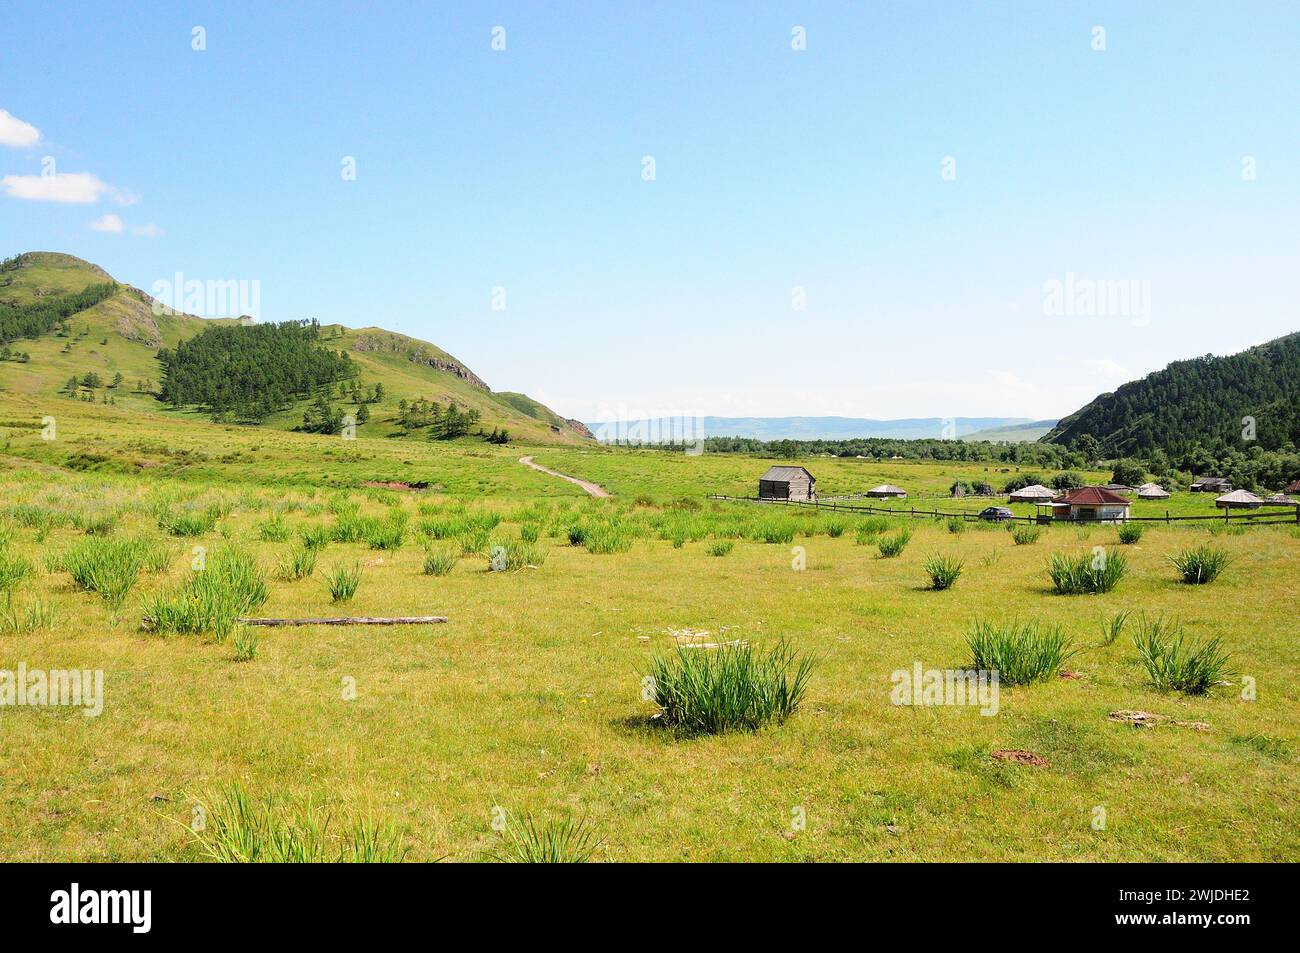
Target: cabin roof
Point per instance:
(1092, 496)
(785, 474)
(1036, 491)
(1239, 496)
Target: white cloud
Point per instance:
(75, 187)
(107, 223)
(1107, 368)
(16, 133)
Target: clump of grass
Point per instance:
(943, 571)
(245, 643)
(240, 829)
(1087, 573)
(33, 617)
(511, 554)
(1200, 565)
(110, 567)
(98, 524)
(1130, 533)
(835, 528)
(529, 532)
(14, 568)
(298, 564)
(568, 840)
(731, 688)
(892, 545)
(721, 547)
(1025, 535)
(1112, 628)
(439, 562)
(775, 531)
(189, 522)
(388, 533)
(212, 598)
(343, 582)
(1021, 653)
(577, 535)
(956, 525)
(605, 539)
(315, 538)
(273, 530)
(1174, 663)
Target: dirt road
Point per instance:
(592, 488)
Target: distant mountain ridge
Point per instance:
(822, 428)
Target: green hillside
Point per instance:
(122, 335)
(1199, 402)
(1013, 433)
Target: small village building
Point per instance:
(787, 483)
(1293, 487)
(1037, 493)
(1211, 484)
(1280, 499)
(1120, 488)
(1090, 504)
(1239, 500)
(1152, 491)
(887, 491)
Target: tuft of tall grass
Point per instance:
(14, 568)
(34, 616)
(604, 539)
(1095, 572)
(721, 547)
(208, 602)
(1021, 653)
(439, 562)
(1112, 628)
(245, 643)
(1130, 533)
(110, 567)
(577, 535)
(1025, 535)
(835, 528)
(388, 533)
(315, 538)
(298, 564)
(189, 522)
(511, 554)
(1173, 663)
(731, 688)
(532, 840)
(1200, 565)
(943, 571)
(956, 525)
(343, 581)
(273, 530)
(892, 545)
(240, 829)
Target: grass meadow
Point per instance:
(411, 741)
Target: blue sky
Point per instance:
(775, 169)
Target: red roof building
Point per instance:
(1091, 503)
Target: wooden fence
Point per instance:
(838, 506)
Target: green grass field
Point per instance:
(529, 700)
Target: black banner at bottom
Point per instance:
(144, 903)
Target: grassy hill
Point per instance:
(122, 334)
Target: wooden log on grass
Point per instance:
(351, 620)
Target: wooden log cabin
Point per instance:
(787, 483)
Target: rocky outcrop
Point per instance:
(580, 428)
(419, 355)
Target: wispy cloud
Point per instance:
(146, 231)
(73, 187)
(16, 133)
(108, 223)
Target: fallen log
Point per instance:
(351, 620)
